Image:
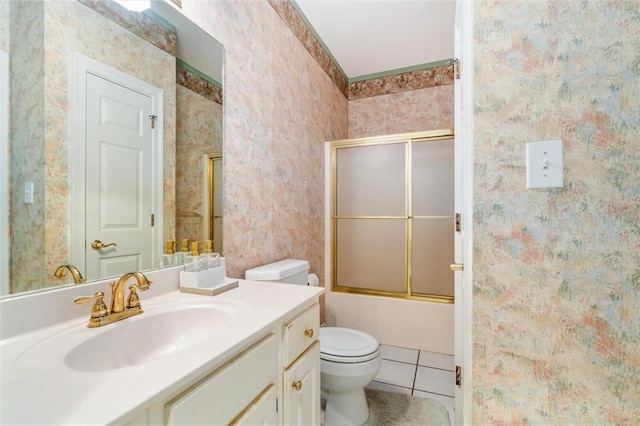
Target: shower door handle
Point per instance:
(456, 267)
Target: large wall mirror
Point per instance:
(107, 123)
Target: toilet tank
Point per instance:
(290, 271)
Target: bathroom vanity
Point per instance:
(248, 356)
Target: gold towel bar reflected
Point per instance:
(194, 213)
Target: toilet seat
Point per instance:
(346, 345)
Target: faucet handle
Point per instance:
(99, 309)
(133, 301)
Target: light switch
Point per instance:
(28, 193)
(545, 164)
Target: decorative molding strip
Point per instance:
(420, 67)
(414, 80)
(292, 18)
(194, 80)
(140, 24)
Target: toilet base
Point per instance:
(346, 408)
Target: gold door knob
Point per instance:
(456, 267)
(297, 385)
(309, 332)
(97, 245)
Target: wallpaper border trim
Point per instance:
(411, 78)
(196, 81)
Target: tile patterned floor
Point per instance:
(419, 373)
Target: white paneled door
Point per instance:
(119, 161)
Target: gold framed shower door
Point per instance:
(385, 227)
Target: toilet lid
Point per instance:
(347, 345)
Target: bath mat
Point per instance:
(396, 409)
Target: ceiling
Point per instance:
(376, 36)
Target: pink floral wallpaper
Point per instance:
(556, 292)
(198, 133)
(26, 148)
(279, 108)
(403, 112)
(141, 24)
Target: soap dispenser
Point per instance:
(195, 262)
(212, 259)
(168, 258)
(180, 257)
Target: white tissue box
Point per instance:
(204, 279)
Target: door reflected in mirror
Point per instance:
(40, 41)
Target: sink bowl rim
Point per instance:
(50, 351)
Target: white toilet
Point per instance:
(349, 359)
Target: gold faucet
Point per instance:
(61, 273)
(117, 311)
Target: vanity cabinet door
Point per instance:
(262, 412)
(300, 333)
(301, 405)
(224, 394)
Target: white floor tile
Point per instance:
(436, 381)
(395, 353)
(388, 388)
(396, 373)
(435, 360)
(447, 401)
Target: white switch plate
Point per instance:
(545, 164)
(28, 193)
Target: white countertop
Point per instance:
(44, 390)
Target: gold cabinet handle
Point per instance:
(309, 332)
(97, 245)
(297, 385)
(456, 267)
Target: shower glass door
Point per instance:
(392, 215)
(432, 219)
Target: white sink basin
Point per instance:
(145, 338)
(160, 331)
